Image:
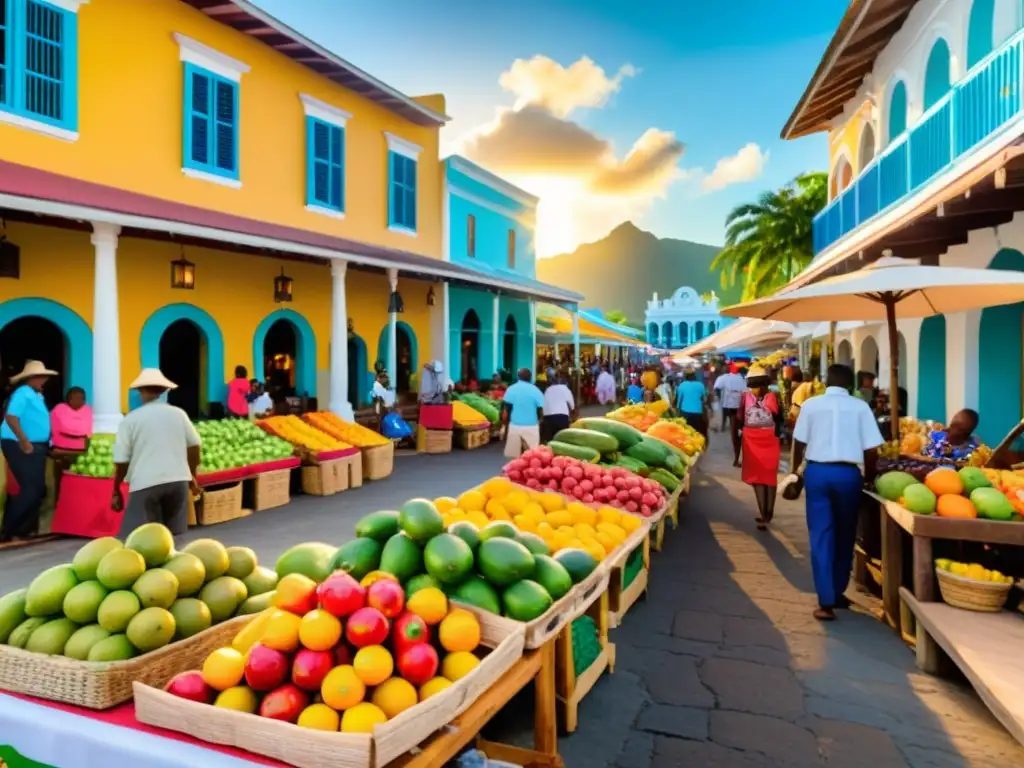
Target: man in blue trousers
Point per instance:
(835, 433)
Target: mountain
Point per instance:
(623, 270)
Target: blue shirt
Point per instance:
(939, 447)
(635, 393)
(524, 399)
(690, 397)
(30, 408)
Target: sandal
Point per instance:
(825, 614)
(762, 525)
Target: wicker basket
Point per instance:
(972, 594)
(273, 489)
(348, 472)
(221, 505)
(378, 461)
(320, 480)
(433, 440)
(470, 439)
(101, 685)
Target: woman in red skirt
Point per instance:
(758, 420)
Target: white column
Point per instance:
(440, 323)
(962, 362)
(392, 361)
(576, 336)
(910, 363)
(497, 335)
(339, 403)
(533, 336)
(106, 331)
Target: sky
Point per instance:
(663, 112)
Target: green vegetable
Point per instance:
(635, 466)
(666, 479)
(623, 433)
(650, 452)
(599, 441)
(581, 452)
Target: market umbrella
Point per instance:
(888, 290)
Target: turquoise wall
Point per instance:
(462, 300)
(936, 73)
(980, 31)
(897, 110)
(931, 372)
(1000, 352)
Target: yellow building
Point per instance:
(209, 190)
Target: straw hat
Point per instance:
(32, 369)
(754, 371)
(152, 377)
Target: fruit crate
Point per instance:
(433, 440)
(221, 504)
(271, 489)
(348, 471)
(471, 439)
(306, 748)
(623, 591)
(378, 461)
(574, 677)
(102, 685)
(327, 478)
(657, 520)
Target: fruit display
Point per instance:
(468, 417)
(678, 433)
(947, 492)
(339, 656)
(914, 436)
(98, 459)
(297, 432)
(486, 407)
(641, 416)
(972, 571)
(615, 485)
(233, 443)
(351, 434)
(115, 601)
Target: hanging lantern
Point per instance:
(183, 273)
(282, 287)
(395, 304)
(431, 299)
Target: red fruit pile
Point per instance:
(541, 470)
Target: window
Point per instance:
(39, 65)
(211, 123)
(325, 174)
(511, 249)
(471, 236)
(403, 192)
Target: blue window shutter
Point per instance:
(410, 193)
(210, 135)
(6, 48)
(226, 114)
(337, 167)
(325, 165)
(38, 71)
(198, 87)
(70, 51)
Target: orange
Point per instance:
(319, 717)
(445, 504)
(362, 718)
(430, 604)
(951, 505)
(373, 664)
(223, 669)
(944, 481)
(319, 630)
(459, 664)
(433, 687)
(472, 501)
(282, 631)
(241, 698)
(342, 688)
(394, 696)
(459, 631)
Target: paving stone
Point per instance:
(698, 625)
(849, 745)
(683, 753)
(777, 739)
(740, 631)
(671, 679)
(757, 654)
(637, 752)
(679, 722)
(744, 686)
(634, 636)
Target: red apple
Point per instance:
(387, 597)
(367, 626)
(341, 595)
(265, 668)
(284, 703)
(418, 663)
(311, 667)
(190, 685)
(296, 594)
(410, 630)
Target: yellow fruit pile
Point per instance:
(972, 571)
(640, 416)
(297, 432)
(339, 429)
(560, 523)
(465, 416)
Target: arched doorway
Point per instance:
(358, 370)
(698, 330)
(652, 334)
(684, 334)
(36, 338)
(897, 111)
(931, 371)
(469, 346)
(284, 352)
(867, 360)
(182, 361)
(666, 335)
(1000, 343)
(866, 152)
(212, 386)
(980, 31)
(508, 356)
(406, 353)
(936, 73)
(844, 352)
(842, 175)
(279, 353)
(712, 327)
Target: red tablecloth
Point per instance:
(83, 508)
(436, 416)
(341, 453)
(242, 473)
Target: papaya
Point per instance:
(599, 441)
(357, 557)
(312, 559)
(381, 525)
(650, 452)
(623, 433)
(577, 562)
(419, 520)
(581, 452)
(525, 600)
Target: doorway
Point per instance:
(280, 350)
(508, 352)
(35, 338)
(403, 359)
(469, 345)
(357, 370)
(181, 360)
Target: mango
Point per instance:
(19, 637)
(113, 648)
(87, 559)
(47, 591)
(51, 637)
(12, 612)
(153, 541)
(80, 643)
(82, 603)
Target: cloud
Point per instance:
(543, 82)
(745, 165)
(650, 166)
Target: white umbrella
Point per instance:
(735, 336)
(756, 341)
(887, 290)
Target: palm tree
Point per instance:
(769, 242)
(616, 316)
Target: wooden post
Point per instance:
(894, 364)
(892, 569)
(929, 655)
(545, 721)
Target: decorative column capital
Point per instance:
(393, 278)
(104, 233)
(339, 267)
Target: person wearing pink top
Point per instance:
(71, 422)
(238, 392)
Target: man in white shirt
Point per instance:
(260, 404)
(559, 407)
(729, 389)
(835, 433)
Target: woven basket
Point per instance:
(273, 489)
(971, 594)
(378, 461)
(221, 505)
(470, 439)
(101, 685)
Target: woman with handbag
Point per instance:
(758, 425)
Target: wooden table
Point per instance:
(539, 666)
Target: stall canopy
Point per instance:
(739, 335)
(556, 324)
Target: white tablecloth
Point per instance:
(64, 740)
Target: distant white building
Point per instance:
(682, 319)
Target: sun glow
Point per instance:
(556, 230)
